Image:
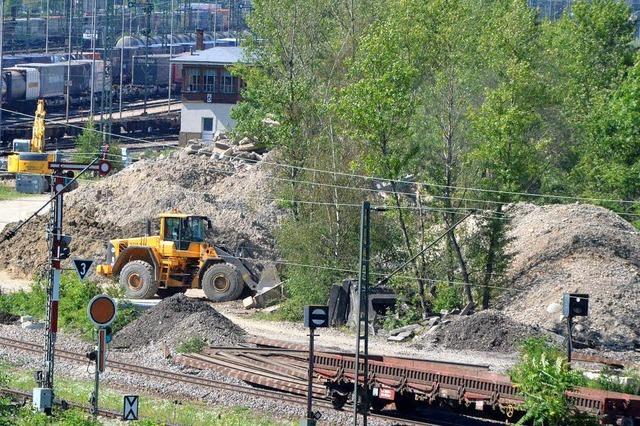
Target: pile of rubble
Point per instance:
(487, 330)
(176, 320)
(223, 148)
(575, 248)
(233, 193)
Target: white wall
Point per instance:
(192, 113)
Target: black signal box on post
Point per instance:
(575, 305)
(316, 316)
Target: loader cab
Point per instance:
(183, 230)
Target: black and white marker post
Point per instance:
(314, 317)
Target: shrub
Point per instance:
(543, 377)
(447, 297)
(193, 345)
(74, 298)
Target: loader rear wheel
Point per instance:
(222, 283)
(136, 278)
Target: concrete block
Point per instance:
(26, 318)
(401, 337)
(410, 327)
(32, 325)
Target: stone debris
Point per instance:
(176, 320)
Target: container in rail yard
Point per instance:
(31, 184)
(157, 69)
(24, 84)
(79, 77)
(52, 78)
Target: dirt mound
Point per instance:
(578, 249)
(230, 193)
(176, 320)
(488, 330)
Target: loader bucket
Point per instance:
(268, 278)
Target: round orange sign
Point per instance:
(102, 310)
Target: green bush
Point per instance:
(74, 298)
(447, 297)
(543, 377)
(193, 345)
(611, 380)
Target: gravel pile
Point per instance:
(578, 249)
(176, 320)
(230, 193)
(488, 330)
(7, 318)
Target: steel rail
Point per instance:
(200, 381)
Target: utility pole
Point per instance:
(362, 319)
(1, 54)
(148, 7)
(121, 61)
(93, 54)
(107, 86)
(68, 100)
(170, 58)
(46, 31)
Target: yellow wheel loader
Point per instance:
(176, 260)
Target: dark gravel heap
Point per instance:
(176, 320)
(7, 318)
(487, 330)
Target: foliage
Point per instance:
(89, 145)
(193, 345)
(543, 377)
(481, 101)
(74, 298)
(625, 381)
(447, 297)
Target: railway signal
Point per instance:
(102, 311)
(573, 305)
(314, 317)
(61, 181)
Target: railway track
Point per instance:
(282, 397)
(26, 396)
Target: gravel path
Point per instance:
(338, 339)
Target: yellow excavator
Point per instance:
(178, 259)
(36, 161)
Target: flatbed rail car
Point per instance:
(408, 383)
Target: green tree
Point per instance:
(609, 166)
(89, 146)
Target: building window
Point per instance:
(210, 81)
(227, 83)
(207, 124)
(192, 77)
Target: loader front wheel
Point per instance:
(136, 278)
(222, 283)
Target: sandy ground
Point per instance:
(20, 208)
(12, 211)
